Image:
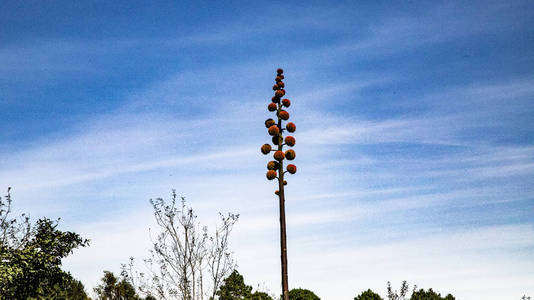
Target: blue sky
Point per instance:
(415, 142)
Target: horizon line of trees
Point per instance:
(187, 262)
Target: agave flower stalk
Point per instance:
(276, 167)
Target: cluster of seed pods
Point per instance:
(276, 130)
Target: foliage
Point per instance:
(260, 296)
(368, 295)
(302, 294)
(30, 257)
(234, 288)
(401, 294)
(112, 288)
(186, 261)
(429, 295)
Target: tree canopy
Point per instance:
(368, 295)
(302, 294)
(30, 258)
(429, 295)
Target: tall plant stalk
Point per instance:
(276, 167)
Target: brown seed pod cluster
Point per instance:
(290, 141)
(290, 154)
(279, 155)
(273, 165)
(291, 169)
(276, 129)
(266, 148)
(286, 102)
(271, 174)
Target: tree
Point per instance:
(276, 167)
(368, 295)
(234, 288)
(260, 296)
(302, 294)
(112, 288)
(429, 295)
(401, 295)
(30, 257)
(186, 261)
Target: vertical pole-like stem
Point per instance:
(283, 242)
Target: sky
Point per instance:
(415, 140)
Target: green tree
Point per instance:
(302, 294)
(368, 295)
(234, 288)
(260, 296)
(429, 295)
(112, 288)
(30, 257)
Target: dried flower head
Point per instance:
(279, 93)
(272, 107)
(269, 122)
(271, 174)
(291, 169)
(283, 91)
(278, 78)
(286, 102)
(285, 182)
(284, 115)
(290, 141)
(290, 154)
(281, 84)
(277, 192)
(279, 155)
(265, 149)
(276, 87)
(281, 76)
(291, 127)
(273, 165)
(279, 71)
(276, 139)
(273, 130)
(275, 99)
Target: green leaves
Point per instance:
(30, 258)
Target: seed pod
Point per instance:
(278, 78)
(291, 127)
(277, 192)
(269, 122)
(290, 154)
(285, 182)
(286, 102)
(279, 71)
(290, 141)
(276, 139)
(279, 155)
(275, 99)
(283, 91)
(271, 174)
(281, 84)
(291, 169)
(284, 115)
(273, 165)
(265, 149)
(273, 130)
(272, 107)
(281, 76)
(279, 93)
(275, 87)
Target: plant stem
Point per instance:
(283, 243)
